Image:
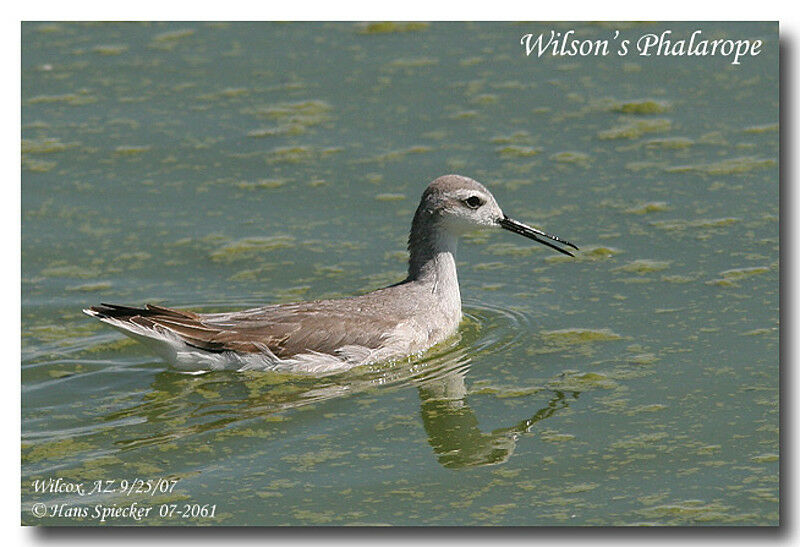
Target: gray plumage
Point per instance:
(329, 335)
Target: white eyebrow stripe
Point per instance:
(464, 194)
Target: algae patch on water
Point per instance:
(728, 278)
(766, 128)
(37, 166)
(655, 407)
(518, 137)
(309, 460)
(633, 129)
(672, 143)
(110, 49)
(249, 247)
(647, 106)
(395, 155)
(485, 98)
(580, 487)
(643, 266)
(759, 332)
(113, 346)
(166, 41)
(60, 449)
(701, 223)
(226, 93)
(648, 207)
(390, 197)
(507, 392)
(578, 158)
(579, 336)
(172, 35)
(510, 249)
(389, 27)
(516, 151)
(90, 287)
(550, 436)
(291, 129)
(643, 359)
(578, 382)
(60, 269)
(82, 97)
(689, 511)
(45, 145)
(766, 458)
(590, 253)
(729, 166)
(413, 62)
(131, 150)
(290, 154)
(293, 118)
(639, 441)
(463, 115)
(262, 184)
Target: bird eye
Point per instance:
(473, 202)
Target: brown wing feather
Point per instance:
(305, 332)
(322, 326)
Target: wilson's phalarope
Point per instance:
(330, 335)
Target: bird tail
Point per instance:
(133, 322)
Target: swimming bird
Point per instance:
(326, 336)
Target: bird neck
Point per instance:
(432, 268)
(432, 253)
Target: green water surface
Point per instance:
(221, 166)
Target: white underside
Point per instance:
(173, 350)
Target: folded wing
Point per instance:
(286, 330)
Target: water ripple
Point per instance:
(178, 405)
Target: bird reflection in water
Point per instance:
(179, 407)
(452, 426)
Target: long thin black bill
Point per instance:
(532, 233)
